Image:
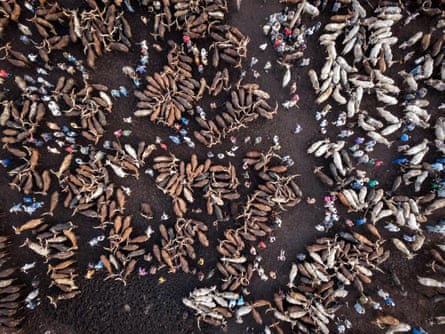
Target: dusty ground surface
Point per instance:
(146, 306)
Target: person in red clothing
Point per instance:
(187, 41)
(287, 33)
(4, 74)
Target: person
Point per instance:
(4, 74)
(357, 184)
(253, 61)
(187, 41)
(372, 183)
(287, 34)
(404, 137)
(6, 162)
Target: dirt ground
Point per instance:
(145, 305)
